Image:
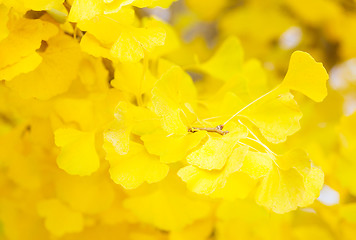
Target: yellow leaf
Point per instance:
(133, 78)
(174, 94)
(238, 185)
(226, 61)
(89, 195)
(313, 183)
(293, 184)
(92, 46)
(18, 50)
(99, 36)
(215, 152)
(127, 49)
(172, 41)
(114, 6)
(27, 64)
(78, 111)
(281, 191)
(256, 78)
(297, 159)
(206, 182)
(59, 219)
(172, 148)
(55, 73)
(85, 9)
(93, 74)
(167, 209)
(129, 119)
(276, 116)
(131, 45)
(78, 154)
(307, 76)
(36, 5)
(152, 3)
(4, 31)
(201, 181)
(201, 229)
(134, 168)
(245, 211)
(257, 164)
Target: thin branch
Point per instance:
(217, 129)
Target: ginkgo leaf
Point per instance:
(141, 80)
(116, 124)
(244, 210)
(226, 61)
(202, 181)
(226, 107)
(134, 168)
(55, 73)
(78, 111)
(167, 209)
(89, 195)
(172, 41)
(100, 26)
(129, 119)
(119, 137)
(27, 64)
(171, 96)
(93, 74)
(277, 116)
(99, 37)
(36, 5)
(60, 219)
(206, 182)
(238, 185)
(88, 9)
(313, 183)
(281, 191)
(176, 92)
(153, 3)
(297, 159)
(29, 34)
(215, 152)
(127, 48)
(307, 76)
(285, 188)
(119, 134)
(114, 6)
(257, 164)
(4, 31)
(131, 45)
(200, 229)
(85, 9)
(92, 46)
(78, 155)
(172, 148)
(256, 78)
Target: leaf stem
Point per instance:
(257, 140)
(254, 101)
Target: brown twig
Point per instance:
(217, 129)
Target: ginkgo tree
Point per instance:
(115, 124)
